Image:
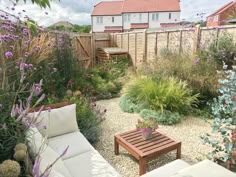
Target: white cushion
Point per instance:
(58, 121)
(54, 173)
(205, 168)
(168, 169)
(35, 141)
(77, 143)
(90, 164)
(47, 157)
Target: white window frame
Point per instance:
(129, 17)
(125, 18)
(215, 18)
(99, 19)
(155, 17)
(140, 17)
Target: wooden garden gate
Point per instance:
(82, 45)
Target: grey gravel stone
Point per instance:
(117, 121)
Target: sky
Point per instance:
(78, 11)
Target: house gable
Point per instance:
(220, 16)
(222, 9)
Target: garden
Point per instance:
(186, 95)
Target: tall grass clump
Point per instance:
(167, 94)
(199, 74)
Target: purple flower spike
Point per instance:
(65, 151)
(8, 54)
(196, 61)
(35, 170)
(49, 109)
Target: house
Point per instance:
(221, 16)
(126, 15)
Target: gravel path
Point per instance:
(188, 132)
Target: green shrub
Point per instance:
(127, 104)
(220, 50)
(166, 53)
(165, 117)
(89, 116)
(105, 80)
(169, 94)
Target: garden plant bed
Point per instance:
(117, 121)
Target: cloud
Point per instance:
(190, 8)
(78, 11)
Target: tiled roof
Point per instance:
(125, 6)
(226, 6)
(150, 5)
(108, 8)
(139, 25)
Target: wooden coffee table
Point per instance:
(144, 150)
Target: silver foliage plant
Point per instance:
(223, 136)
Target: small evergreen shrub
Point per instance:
(165, 117)
(127, 104)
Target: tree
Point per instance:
(40, 3)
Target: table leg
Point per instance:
(142, 166)
(116, 146)
(178, 155)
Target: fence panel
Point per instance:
(207, 37)
(118, 40)
(151, 46)
(140, 48)
(174, 41)
(187, 43)
(132, 48)
(161, 42)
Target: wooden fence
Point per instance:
(148, 45)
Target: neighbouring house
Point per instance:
(126, 15)
(222, 15)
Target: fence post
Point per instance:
(92, 50)
(167, 44)
(135, 50)
(128, 42)
(156, 45)
(197, 39)
(180, 41)
(145, 45)
(121, 40)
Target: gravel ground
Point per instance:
(188, 132)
